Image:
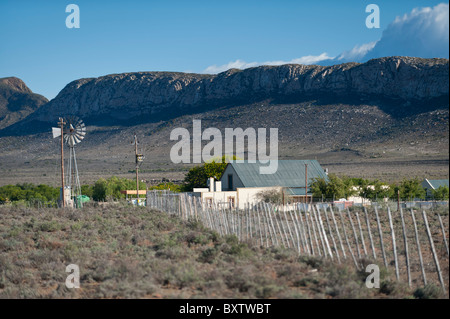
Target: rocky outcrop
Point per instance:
(148, 96)
(17, 101)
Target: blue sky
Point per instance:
(187, 36)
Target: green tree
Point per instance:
(319, 187)
(29, 192)
(110, 189)
(169, 186)
(12, 193)
(411, 188)
(99, 191)
(376, 189)
(349, 187)
(87, 190)
(197, 176)
(441, 193)
(333, 188)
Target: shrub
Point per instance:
(430, 291)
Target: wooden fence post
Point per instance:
(394, 246)
(424, 277)
(436, 260)
(380, 233)
(443, 233)
(324, 233)
(331, 235)
(296, 232)
(405, 239)
(259, 226)
(272, 217)
(309, 232)
(279, 230)
(346, 239)
(319, 230)
(354, 233)
(302, 226)
(361, 233)
(288, 227)
(314, 229)
(268, 217)
(282, 226)
(370, 234)
(338, 233)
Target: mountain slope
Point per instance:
(387, 119)
(399, 85)
(17, 101)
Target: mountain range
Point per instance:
(391, 110)
(17, 101)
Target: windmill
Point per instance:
(72, 131)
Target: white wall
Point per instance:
(248, 195)
(220, 198)
(242, 196)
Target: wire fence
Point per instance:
(411, 242)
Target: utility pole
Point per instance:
(61, 122)
(306, 183)
(137, 170)
(139, 160)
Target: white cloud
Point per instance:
(421, 33)
(239, 64)
(424, 32)
(309, 59)
(357, 53)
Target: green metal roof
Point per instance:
(290, 173)
(436, 183)
(296, 191)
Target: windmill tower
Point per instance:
(72, 130)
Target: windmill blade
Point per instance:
(71, 141)
(79, 137)
(56, 131)
(74, 131)
(82, 134)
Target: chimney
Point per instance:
(218, 186)
(211, 184)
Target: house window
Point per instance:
(230, 181)
(208, 201)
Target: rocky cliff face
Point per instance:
(148, 96)
(17, 101)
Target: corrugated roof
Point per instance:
(296, 191)
(436, 183)
(290, 173)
